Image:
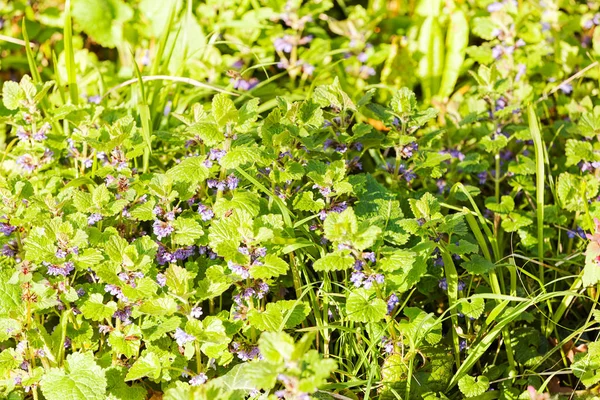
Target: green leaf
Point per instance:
(95, 309)
(587, 365)
(239, 156)
(421, 325)
(305, 202)
(404, 102)
(494, 145)
(102, 19)
(178, 279)
(272, 267)
(340, 227)
(187, 231)
(471, 387)
(398, 259)
(337, 261)
(277, 347)
(426, 207)
(363, 306)
(12, 95)
(190, 170)
(471, 307)
(478, 265)
(148, 365)
(574, 191)
(223, 110)
(210, 133)
(81, 379)
(127, 342)
(506, 205)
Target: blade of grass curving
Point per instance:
(61, 89)
(536, 134)
(70, 55)
(452, 281)
(145, 119)
(286, 213)
(35, 74)
(478, 350)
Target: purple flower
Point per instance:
(123, 314)
(284, 44)
(93, 218)
(232, 182)
(482, 176)
(181, 337)
(198, 380)
(55, 270)
(443, 284)
(521, 69)
(6, 229)
(196, 312)
(497, 51)
(161, 279)
(115, 291)
(362, 57)
(461, 286)
(205, 212)
(370, 256)
(243, 84)
(216, 154)
(387, 344)
(167, 109)
(240, 270)
(462, 344)
(566, 88)
(392, 302)
(357, 278)
(495, 7)
(324, 190)
(162, 229)
(307, 68)
(95, 99)
(27, 162)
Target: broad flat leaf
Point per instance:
(363, 306)
(81, 379)
(187, 231)
(472, 308)
(148, 365)
(190, 170)
(421, 326)
(478, 265)
(587, 365)
(276, 347)
(471, 387)
(12, 95)
(272, 267)
(337, 261)
(102, 19)
(95, 309)
(250, 376)
(223, 110)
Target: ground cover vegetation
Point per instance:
(329, 199)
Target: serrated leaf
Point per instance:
(81, 379)
(272, 267)
(95, 309)
(148, 365)
(187, 231)
(471, 307)
(471, 387)
(478, 265)
(337, 261)
(363, 306)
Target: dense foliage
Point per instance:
(282, 200)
